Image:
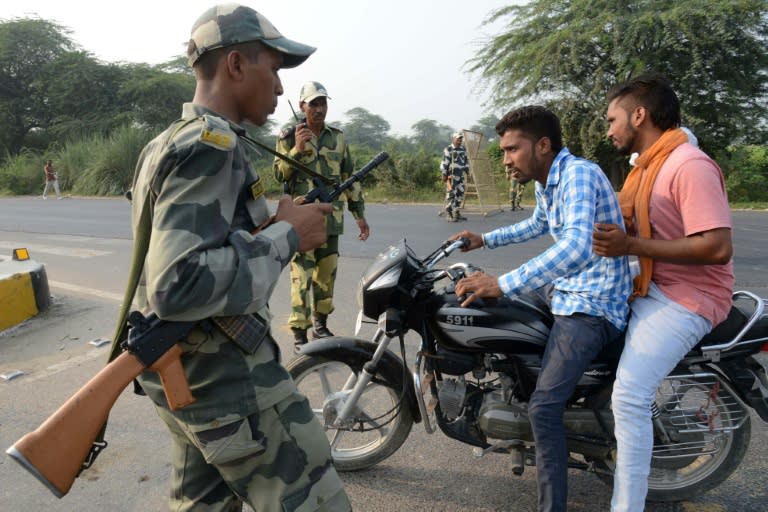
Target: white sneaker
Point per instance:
(59, 198)
(44, 198)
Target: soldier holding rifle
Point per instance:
(250, 436)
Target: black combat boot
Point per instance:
(299, 338)
(319, 327)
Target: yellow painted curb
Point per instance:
(17, 300)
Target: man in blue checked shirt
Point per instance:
(587, 293)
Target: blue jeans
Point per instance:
(573, 343)
(659, 334)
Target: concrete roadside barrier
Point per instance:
(23, 288)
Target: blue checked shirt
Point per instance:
(576, 196)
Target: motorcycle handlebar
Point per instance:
(448, 248)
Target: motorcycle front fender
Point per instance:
(356, 353)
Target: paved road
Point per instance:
(85, 245)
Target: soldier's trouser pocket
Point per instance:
(226, 439)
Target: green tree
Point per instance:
(81, 96)
(746, 172)
(365, 128)
(152, 96)
(567, 54)
(27, 47)
(487, 126)
(431, 136)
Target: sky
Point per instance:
(403, 60)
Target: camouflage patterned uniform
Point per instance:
(454, 167)
(515, 192)
(250, 436)
(313, 273)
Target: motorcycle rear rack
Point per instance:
(686, 450)
(691, 409)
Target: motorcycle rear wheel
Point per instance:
(689, 477)
(382, 421)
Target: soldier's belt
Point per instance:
(246, 331)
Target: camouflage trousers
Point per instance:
(515, 193)
(454, 197)
(313, 277)
(250, 437)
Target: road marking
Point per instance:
(75, 252)
(86, 291)
(64, 365)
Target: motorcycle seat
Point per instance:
(727, 329)
(742, 312)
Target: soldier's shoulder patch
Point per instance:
(217, 133)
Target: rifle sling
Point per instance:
(294, 163)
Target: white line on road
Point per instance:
(65, 365)
(86, 291)
(75, 252)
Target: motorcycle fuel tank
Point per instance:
(503, 325)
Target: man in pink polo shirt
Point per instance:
(678, 221)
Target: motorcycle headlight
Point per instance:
(386, 280)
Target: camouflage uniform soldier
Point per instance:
(322, 148)
(215, 257)
(515, 190)
(454, 167)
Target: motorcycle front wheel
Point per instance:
(380, 422)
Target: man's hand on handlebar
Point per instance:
(475, 240)
(478, 285)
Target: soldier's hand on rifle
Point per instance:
(364, 229)
(308, 221)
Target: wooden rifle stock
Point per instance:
(56, 451)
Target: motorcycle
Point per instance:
(476, 367)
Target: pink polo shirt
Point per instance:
(689, 197)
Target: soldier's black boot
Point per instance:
(319, 327)
(299, 338)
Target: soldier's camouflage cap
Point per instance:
(229, 24)
(312, 90)
(457, 135)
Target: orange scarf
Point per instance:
(635, 197)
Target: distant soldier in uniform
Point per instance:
(323, 149)
(453, 169)
(515, 190)
(214, 256)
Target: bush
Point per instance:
(23, 174)
(746, 173)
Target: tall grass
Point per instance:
(94, 165)
(110, 166)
